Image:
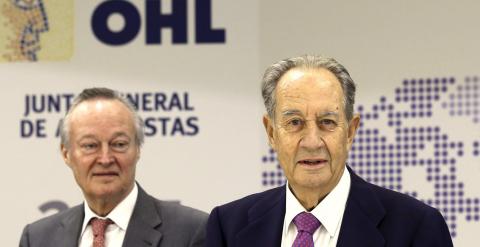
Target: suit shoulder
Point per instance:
(411, 220)
(245, 203)
(227, 220)
(47, 226)
(399, 202)
(180, 213)
(54, 219)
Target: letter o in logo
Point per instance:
(100, 26)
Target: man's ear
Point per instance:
(352, 129)
(268, 124)
(138, 152)
(65, 154)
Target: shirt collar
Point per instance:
(329, 211)
(120, 215)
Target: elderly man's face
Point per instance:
(102, 150)
(310, 133)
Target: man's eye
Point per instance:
(120, 146)
(294, 124)
(89, 146)
(328, 124)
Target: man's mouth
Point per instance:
(105, 174)
(312, 162)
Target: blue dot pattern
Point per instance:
(273, 177)
(380, 158)
(465, 101)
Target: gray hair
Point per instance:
(277, 70)
(101, 93)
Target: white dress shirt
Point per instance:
(120, 215)
(329, 212)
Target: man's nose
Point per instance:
(106, 156)
(312, 137)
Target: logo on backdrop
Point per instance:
(155, 20)
(35, 30)
(164, 114)
(403, 133)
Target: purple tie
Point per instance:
(306, 224)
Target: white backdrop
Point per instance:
(382, 44)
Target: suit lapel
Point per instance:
(142, 228)
(265, 221)
(363, 213)
(71, 226)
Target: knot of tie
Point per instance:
(98, 228)
(306, 222)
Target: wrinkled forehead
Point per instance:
(313, 83)
(98, 104)
(101, 105)
(100, 108)
(102, 117)
(307, 74)
(312, 90)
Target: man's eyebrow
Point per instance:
(115, 135)
(291, 112)
(327, 114)
(87, 136)
(120, 134)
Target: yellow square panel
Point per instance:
(36, 30)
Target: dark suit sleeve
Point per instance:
(24, 239)
(432, 231)
(215, 236)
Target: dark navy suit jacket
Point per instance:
(373, 216)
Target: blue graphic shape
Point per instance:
(381, 161)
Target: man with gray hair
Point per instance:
(101, 137)
(311, 125)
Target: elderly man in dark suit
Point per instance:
(311, 125)
(101, 138)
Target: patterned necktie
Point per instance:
(98, 227)
(306, 224)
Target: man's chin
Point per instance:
(313, 181)
(313, 185)
(105, 178)
(105, 190)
